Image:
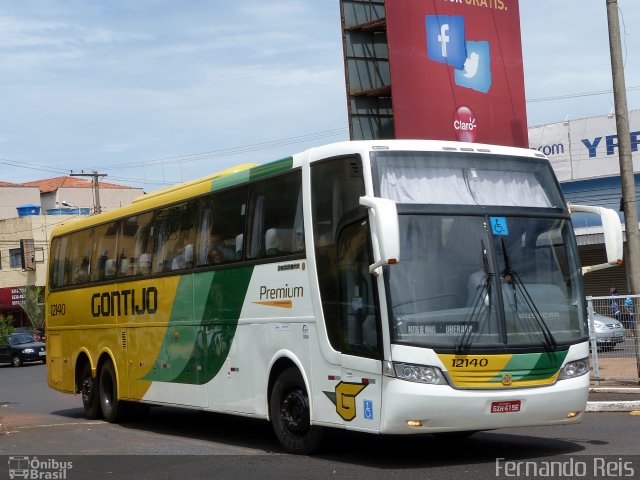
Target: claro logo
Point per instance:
(464, 123)
(125, 302)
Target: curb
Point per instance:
(613, 406)
(625, 390)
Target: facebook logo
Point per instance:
(476, 72)
(445, 40)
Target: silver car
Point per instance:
(608, 331)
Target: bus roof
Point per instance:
(175, 193)
(246, 172)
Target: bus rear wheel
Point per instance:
(109, 404)
(290, 414)
(89, 391)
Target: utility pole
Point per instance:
(96, 187)
(626, 164)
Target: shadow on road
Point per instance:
(77, 413)
(350, 447)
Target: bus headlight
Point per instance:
(574, 369)
(420, 374)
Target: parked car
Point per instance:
(34, 332)
(608, 331)
(22, 348)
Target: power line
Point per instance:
(577, 95)
(202, 156)
(231, 150)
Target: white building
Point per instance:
(28, 213)
(584, 156)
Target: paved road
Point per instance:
(37, 421)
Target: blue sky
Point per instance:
(154, 92)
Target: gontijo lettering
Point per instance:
(124, 302)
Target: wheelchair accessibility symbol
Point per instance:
(499, 226)
(368, 410)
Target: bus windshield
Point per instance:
(478, 278)
(460, 286)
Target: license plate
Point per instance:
(506, 407)
(42, 354)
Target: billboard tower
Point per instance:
(435, 69)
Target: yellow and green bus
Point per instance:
(391, 287)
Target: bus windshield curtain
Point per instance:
(456, 186)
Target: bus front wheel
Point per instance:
(290, 414)
(109, 404)
(89, 391)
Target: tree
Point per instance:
(6, 328)
(32, 305)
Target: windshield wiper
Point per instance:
(478, 301)
(517, 282)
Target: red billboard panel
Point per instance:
(456, 70)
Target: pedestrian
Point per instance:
(613, 306)
(629, 319)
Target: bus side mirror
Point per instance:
(612, 230)
(385, 232)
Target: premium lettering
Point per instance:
(285, 292)
(125, 302)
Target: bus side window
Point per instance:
(77, 254)
(139, 245)
(104, 258)
(359, 325)
(221, 226)
(59, 252)
(276, 217)
(336, 187)
(174, 236)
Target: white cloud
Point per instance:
(98, 83)
(116, 147)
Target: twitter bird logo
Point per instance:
(476, 72)
(471, 65)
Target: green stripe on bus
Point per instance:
(252, 174)
(270, 168)
(533, 366)
(230, 180)
(199, 334)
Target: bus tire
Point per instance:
(90, 394)
(108, 393)
(290, 414)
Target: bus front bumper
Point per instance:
(411, 407)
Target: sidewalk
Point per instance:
(614, 399)
(616, 368)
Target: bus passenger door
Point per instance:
(359, 392)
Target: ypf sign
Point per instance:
(456, 70)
